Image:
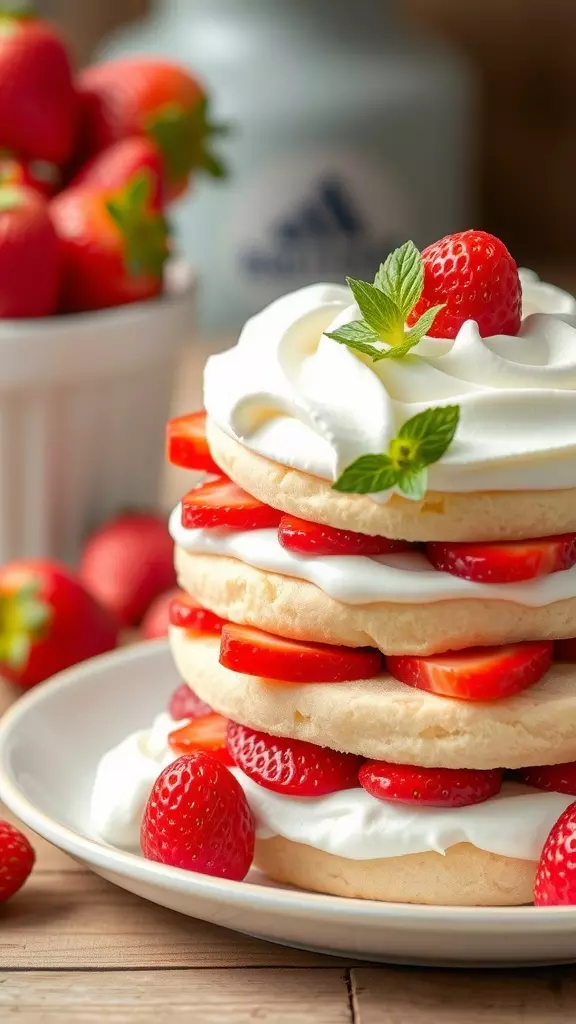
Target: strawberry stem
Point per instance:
(24, 618)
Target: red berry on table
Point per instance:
(507, 562)
(477, 673)
(16, 860)
(128, 562)
(221, 503)
(556, 778)
(113, 245)
(184, 703)
(38, 102)
(115, 167)
(30, 262)
(429, 787)
(198, 818)
(207, 733)
(48, 621)
(314, 539)
(186, 444)
(155, 98)
(156, 621)
(186, 613)
(556, 875)
(475, 277)
(292, 767)
(256, 653)
(565, 650)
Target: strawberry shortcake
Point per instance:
(378, 610)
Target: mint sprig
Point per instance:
(385, 306)
(421, 440)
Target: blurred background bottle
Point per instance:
(348, 134)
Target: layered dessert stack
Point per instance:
(380, 580)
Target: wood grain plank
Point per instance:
(398, 995)
(78, 920)
(166, 997)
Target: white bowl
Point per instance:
(50, 743)
(83, 404)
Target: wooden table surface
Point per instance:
(75, 949)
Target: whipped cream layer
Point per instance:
(406, 578)
(349, 824)
(291, 394)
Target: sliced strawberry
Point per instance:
(250, 650)
(188, 614)
(314, 539)
(184, 703)
(478, 673)
(565, 650)
(186, 443)
(288, 766)
(431, 787)
(221, 503)
(509, 562)
(207, 733)
(557, 778)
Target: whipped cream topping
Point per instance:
(291, 394)
(349, 824)
(406, 578)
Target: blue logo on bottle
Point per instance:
(325, 237)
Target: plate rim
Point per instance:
(109, 858)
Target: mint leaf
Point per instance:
(422, 440)
(423, 325)
(431, 432)
(357, 335)
(367, 475)
(412, 484)
(402, 277)
(376, 307)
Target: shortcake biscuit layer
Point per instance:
(300, 610)
(386, 720)
(478, 516)
(464, 876)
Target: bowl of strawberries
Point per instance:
(94, 304)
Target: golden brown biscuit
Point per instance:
(298, 609)
(386, 720)
(465, 876)
(483, 516)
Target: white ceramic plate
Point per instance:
(50, 743)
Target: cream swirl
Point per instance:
(291, 394)
(349, 823)
(406, 578)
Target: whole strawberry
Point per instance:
(38, 102)
(16, 860)
(48, 621)
(556, 876)
(155, 98)
(129, 562)
(198, 818)
(156, 622)
(115, 166)
(474, 277)
(113, 244)
(30, 263)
